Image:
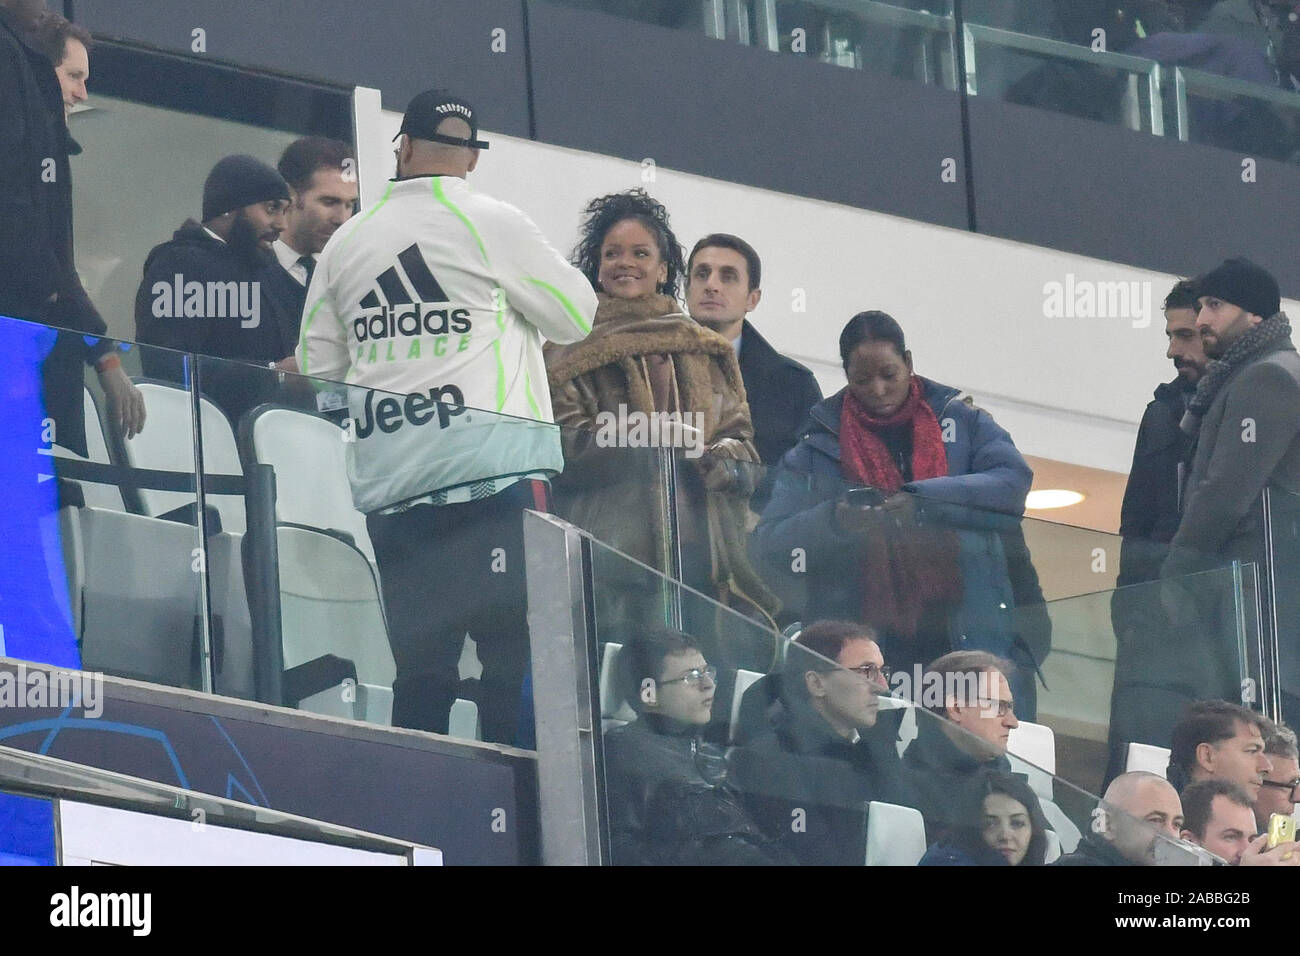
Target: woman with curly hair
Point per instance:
(645, 357)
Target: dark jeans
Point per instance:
(450, 570)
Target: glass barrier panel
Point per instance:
(1125, 663)
(725, 743)
(373, 542)
(1221, 74)
(105, 568)
(909, 39)
(1281, 603)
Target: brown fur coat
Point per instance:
(616, 493)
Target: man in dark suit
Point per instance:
(38, 274)
(322, 178)
(1143, 707)
(722, 286)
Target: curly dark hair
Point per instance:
(604, 212)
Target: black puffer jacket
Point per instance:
(670, 804)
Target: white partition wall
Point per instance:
(1064, 350)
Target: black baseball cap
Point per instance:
(430, 108)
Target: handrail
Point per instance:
(1042, 46)
(1188, 80)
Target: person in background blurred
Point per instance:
(1277, 793)
(67, 46)
(1008, 830)
(39, 275)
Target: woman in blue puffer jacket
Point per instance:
(902, 503)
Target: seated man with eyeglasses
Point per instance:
(1277, 793)
(668, 796)
(826, 755)
(961, 737)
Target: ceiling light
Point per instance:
(1052, 498)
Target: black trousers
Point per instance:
(450, 570)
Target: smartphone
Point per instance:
(1281, 829)
(864, 497)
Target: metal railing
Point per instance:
(1144, 105)
(1053, 49)
(1189, 82)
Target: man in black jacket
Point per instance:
(1143, 708)
(202, 290)
(809, 778)
(1139, 813)
(722, 286)
(961, 736)
(38, 275)
(668, 796)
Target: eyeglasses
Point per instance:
(694, 677)
(1287, 785)
(1004, 707)
(876, 673)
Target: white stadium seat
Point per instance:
(614, 711)
(1147, 757)
(167, 444)
(744, 681)
(895, 835)
(311, 474)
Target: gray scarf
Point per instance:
(1269, 336)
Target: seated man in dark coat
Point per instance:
(667, 791)
(1139, 814)
(962, 738)
(809, 778)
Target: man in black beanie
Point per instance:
(202, 290)
(1245, 420)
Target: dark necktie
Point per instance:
(308, 263)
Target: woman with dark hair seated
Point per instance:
(646, 359)
(906, 500)
(1010, 830)
(668, 796)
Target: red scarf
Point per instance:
(909, 569)
(865, 458)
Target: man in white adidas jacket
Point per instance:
(433, 304)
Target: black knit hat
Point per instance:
(1243, 284)
(239, 181)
